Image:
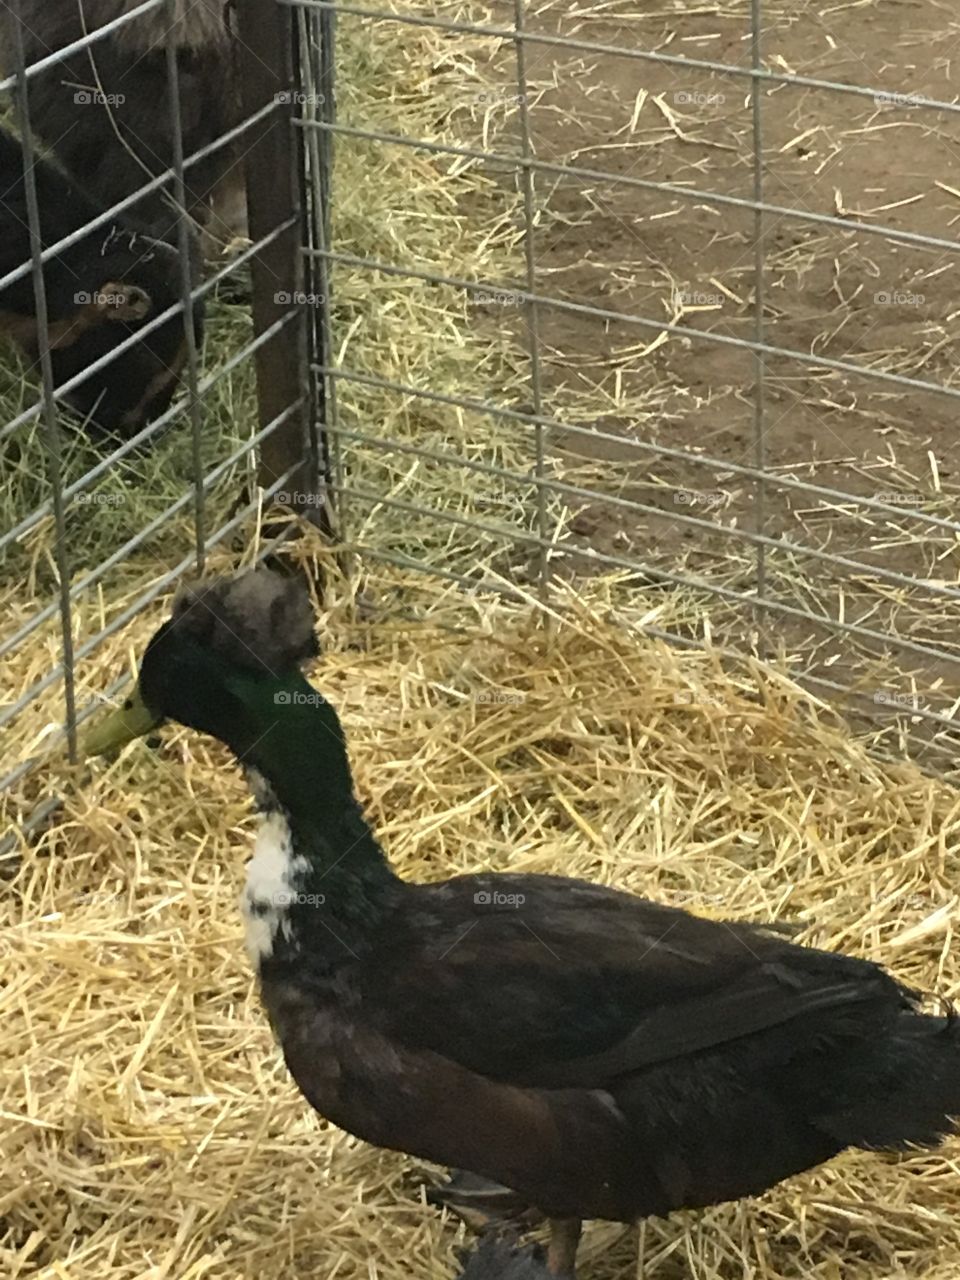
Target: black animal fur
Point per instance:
(104, 111)
(198, 24)
(107, 286)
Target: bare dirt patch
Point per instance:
(828, 292)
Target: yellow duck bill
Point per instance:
(130, 721)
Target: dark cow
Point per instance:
(107, 286)
(104, 112)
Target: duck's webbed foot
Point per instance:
(481, 1203)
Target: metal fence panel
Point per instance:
(596, 350)
(786, 551)
(148, 515)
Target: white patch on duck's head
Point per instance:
(263, 794)
(274, 876)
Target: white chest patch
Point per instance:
(273, 875)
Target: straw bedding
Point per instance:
(149, 1127)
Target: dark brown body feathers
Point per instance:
(603, 1056)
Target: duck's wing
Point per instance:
(550, 982)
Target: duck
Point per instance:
(594, 1054)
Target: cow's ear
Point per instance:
(117, 300)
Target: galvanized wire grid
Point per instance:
(919, 706)
(287, 429)
(913, 699)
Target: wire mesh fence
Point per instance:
(572, 291)
(738, 365)
(151, 201)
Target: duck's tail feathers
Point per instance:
(905, 1089)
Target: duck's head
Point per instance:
(227, 662)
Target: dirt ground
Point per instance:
(846, 296)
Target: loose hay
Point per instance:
(150, 1128)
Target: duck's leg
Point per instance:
(562, 1250)
(481, 1203)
